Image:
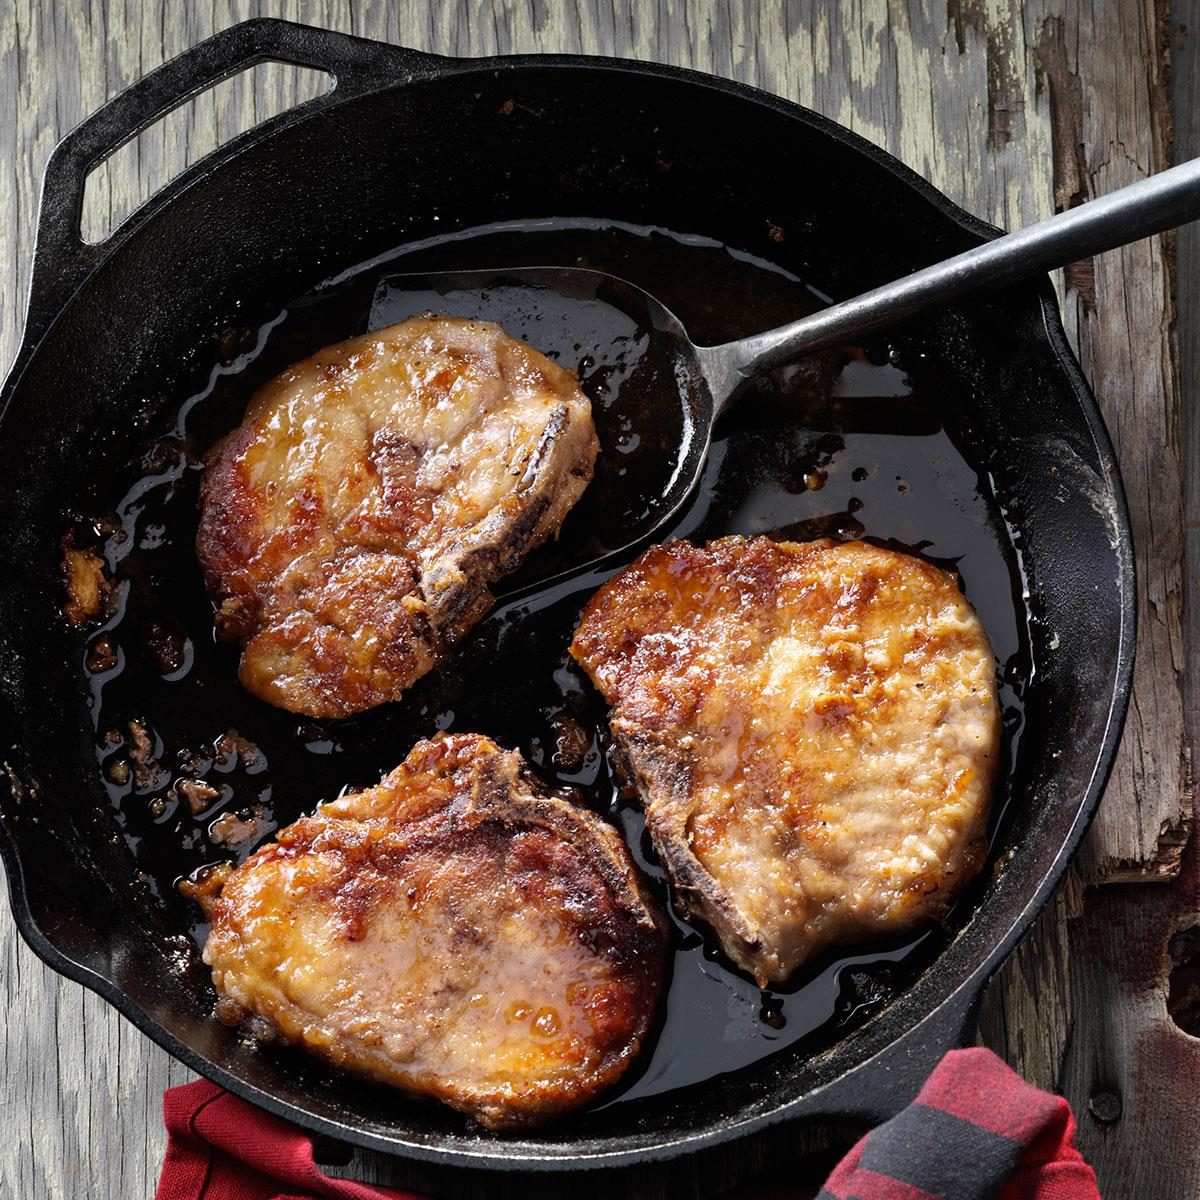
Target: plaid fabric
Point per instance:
(976, 1131)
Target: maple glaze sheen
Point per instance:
(813, 730)
(850, 444)
(452, 932)
(351, 525)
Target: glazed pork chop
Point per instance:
(351, 526)
(813, 730)
(454, 932)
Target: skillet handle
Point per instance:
(61, 258)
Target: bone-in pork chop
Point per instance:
(352, 524)
(813, 730)
(453, 931)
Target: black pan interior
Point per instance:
(630, 151)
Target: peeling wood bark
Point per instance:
(1123, 324)
(1014, 110)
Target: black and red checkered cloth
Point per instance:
(976, 1131)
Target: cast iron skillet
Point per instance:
(402, 138)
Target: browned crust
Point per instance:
(86, 583)
(225, 541)
(204, 886)
(296, 600)
(461, 793)
(651, 719)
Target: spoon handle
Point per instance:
(1162, 201)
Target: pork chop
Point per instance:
(454, 931)
(351, 526)
(813, 730)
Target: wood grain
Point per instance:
(1120, 310)
(1013, 109)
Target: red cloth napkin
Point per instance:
(976, 1131)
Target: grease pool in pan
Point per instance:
(850, 444)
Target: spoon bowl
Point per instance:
(656, 395)
(652, 401)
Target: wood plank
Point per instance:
(1012, 109)
(1114, 127)
(1136, 957)
(1130, 1069)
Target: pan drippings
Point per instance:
(848, 444)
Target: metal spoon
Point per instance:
(683, 388)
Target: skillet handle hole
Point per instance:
(187, 134)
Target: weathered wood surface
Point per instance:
(1013, 110)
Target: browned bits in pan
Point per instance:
(87, 584)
